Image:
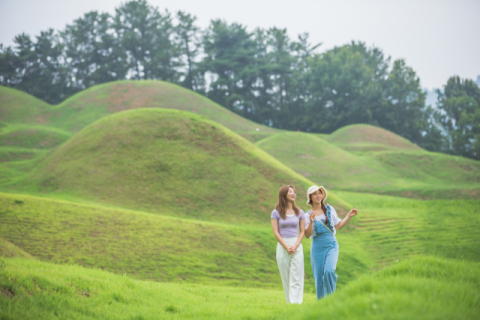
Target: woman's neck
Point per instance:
(317, 207)
(289, 205)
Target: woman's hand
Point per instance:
(292, 249)
(312, 216)
(353, 212)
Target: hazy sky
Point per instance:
(437, 38)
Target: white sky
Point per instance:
(437, 39)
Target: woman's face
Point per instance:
(316, 197)
(291, 195)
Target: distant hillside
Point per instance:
(370, 159)
(19, 107)
(96, 102)
(363, 137)
(159, 160)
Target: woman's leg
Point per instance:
(330, 277)
(296, 278)
(317, 259)
(283, 262)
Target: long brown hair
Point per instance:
(323, 205)
(282, 203)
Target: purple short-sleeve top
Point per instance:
(290, 227)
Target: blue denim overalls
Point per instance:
(324, 257)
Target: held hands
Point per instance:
(292, 249)
(353, 212)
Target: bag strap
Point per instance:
(320, 222)
(325, 226)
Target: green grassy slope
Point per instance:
(148, 246)
(396, 168)
(155, 247)
(19, 107)
(421, 288)
(23, 146)
(36, 290)
(394, 228)
(165, 161)
(10, 250)
(32, 136)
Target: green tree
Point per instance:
(188, 36)
(345, 85)
(460, 118)
(37, 67)
(146, 36)
(405, 113)
(92, 51)
(9, 64)
(230, 61)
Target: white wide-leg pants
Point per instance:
(291, 271)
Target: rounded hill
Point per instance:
(321, 161)
(361, 137)
(166, 161)
(93, 103)
(19, 107)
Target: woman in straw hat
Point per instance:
(322, 224)
(288, 224)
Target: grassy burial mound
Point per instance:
(386, 167)
(99, 101)
(96, 102)
(166, 161)
(319, 160)
(363, 137)
(19, 107)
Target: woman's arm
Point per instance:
(277, 234)
(342, 223)
(300, 236)
(309, 229)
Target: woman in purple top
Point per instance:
(288, 224)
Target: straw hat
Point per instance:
(312, 189)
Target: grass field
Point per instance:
(38, 290)
(176, 205)
(421, 288)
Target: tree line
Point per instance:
(263, 75)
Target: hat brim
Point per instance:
(312, 189)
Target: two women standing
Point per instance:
(321, 224)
